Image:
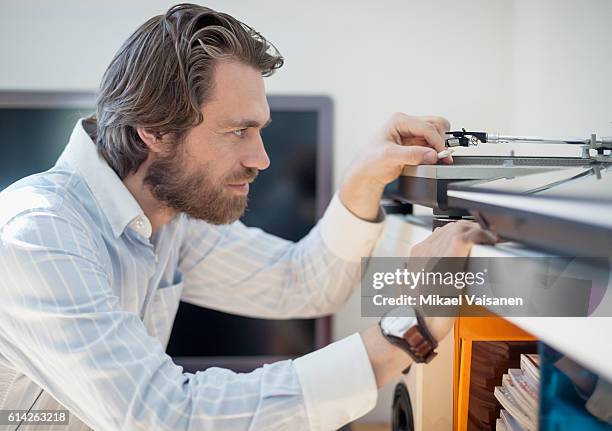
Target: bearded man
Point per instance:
(141, 211)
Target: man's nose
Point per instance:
(256, 157)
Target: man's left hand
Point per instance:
(405, 140)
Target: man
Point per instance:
(141, 211)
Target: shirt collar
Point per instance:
(117, 203)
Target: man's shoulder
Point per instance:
(52, 193)
(45, 235)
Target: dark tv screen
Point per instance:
(33, 139)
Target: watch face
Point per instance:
(397, 325)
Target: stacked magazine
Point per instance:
(490, 360)
(519, 396)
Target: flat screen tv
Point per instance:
(286, 200)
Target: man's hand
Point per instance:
(405, 140)
(455, 239)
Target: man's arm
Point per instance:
(385, 360)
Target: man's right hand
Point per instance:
(453, 240)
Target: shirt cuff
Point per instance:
(346, 235)
(338, 383)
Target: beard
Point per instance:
(194, 192)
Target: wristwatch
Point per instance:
(409, 333)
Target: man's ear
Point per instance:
(151, 139)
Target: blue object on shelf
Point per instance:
(565, 389)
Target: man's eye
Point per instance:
(239, 132)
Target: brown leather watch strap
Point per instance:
(419, 345)
(417, 341)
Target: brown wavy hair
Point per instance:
(162, 75)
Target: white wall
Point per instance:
(517, 67)
(562, 67)
(372, 60)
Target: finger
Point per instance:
(419, 141)
(448, 227)
(458, 225)
(413, 155)
(464, 225)
(448, 160)
(440, 123)
(405, 126)
(482, 236)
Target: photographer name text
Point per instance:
(446, 301)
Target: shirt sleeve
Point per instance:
(246, 271)
(338, 383)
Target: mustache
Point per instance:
(247, 175)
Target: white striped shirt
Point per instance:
(88, 299)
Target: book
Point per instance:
(518, 395)
(520, 398)
(528, 390)
(509, 422)
(508, 402)
(530, 364)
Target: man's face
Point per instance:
(207, 175)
